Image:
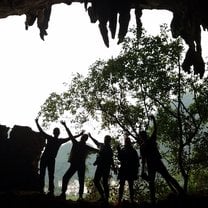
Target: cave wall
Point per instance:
(189, 17)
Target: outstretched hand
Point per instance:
(83, 131)
(63, 122)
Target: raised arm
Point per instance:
(154, 133)
(94, 140)
(40, 129)
(92, 149)
(80, 134)
(68, 131)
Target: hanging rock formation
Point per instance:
(189, 16)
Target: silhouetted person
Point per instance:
(129, 166)
(104, 162)
(48, 157)
(77, 159)
(152, 158)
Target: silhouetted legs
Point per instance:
(103, 189)
(131, 189)
(69, 173)
(152, 174)
(121, 189)
(67, 176)
(81, 176)
(97, 178)
(50, 164)
(106, 186)
(51, 170)
(172, 183)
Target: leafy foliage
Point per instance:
(115, 91)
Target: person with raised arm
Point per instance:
(151, 159)
(77, 158)
(48, 157)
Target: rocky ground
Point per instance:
(35, 200)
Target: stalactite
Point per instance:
(188, 18)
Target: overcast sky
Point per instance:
(31, 68)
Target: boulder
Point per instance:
(20, 150)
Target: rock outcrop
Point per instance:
(20, 150)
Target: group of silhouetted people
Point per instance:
(127, 156)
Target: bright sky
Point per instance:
(31, 68)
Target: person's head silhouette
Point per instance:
(56, 132)
(107, 140)
(84, 138)
(127, 141)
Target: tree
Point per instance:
(145, 78)
(114, 92)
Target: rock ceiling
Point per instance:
(189, 18)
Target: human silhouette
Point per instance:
(48, 157)
(77, 158)
(152, 158)
(129, 166)
(104, 162)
